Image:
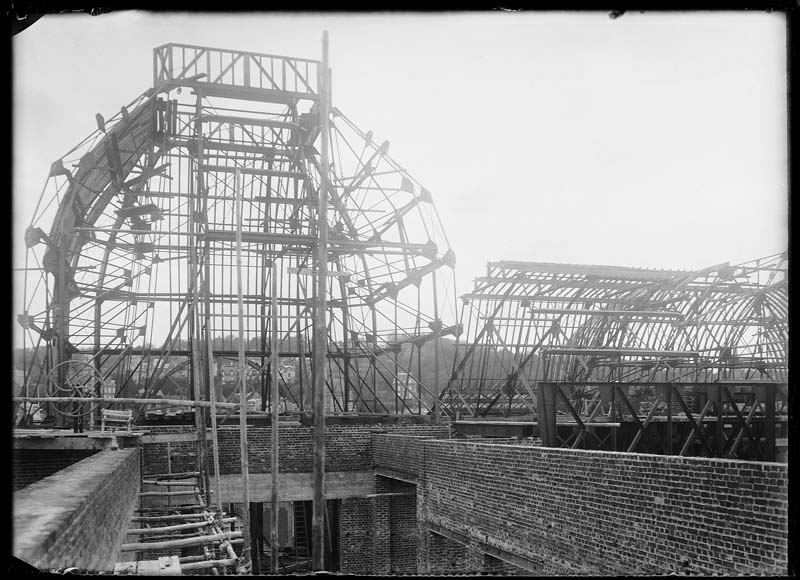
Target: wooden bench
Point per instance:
(116, 417)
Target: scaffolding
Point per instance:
(132, 246)
(231, 213)
(630, 359)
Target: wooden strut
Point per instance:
(170, 483)
(189, 526)
(165, 493)
(126, 400)
(198, 541)
(175, 517)
(208, 564)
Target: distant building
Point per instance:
(287, 371)
(109, 389)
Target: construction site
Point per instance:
(240, 358)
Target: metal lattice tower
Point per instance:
(133, 242)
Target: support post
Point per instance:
(273, 516)
(320, 330)
(212, 393)
(256, 535)
(769, 422)
(546, 414)
(246, 553)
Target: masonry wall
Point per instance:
(171, 457)
(31, 465)
(402, 513)
(355, 536)
(605, 513)
(79, 515)
(347, 447)
(378, 534)
(438, 555)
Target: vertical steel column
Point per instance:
(769, 422)
(546, 414)
(242, 380)
(320, 329)
(669, 419)
(273, 530)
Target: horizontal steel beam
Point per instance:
(616, 272)
(619, 352)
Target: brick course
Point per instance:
(605, 513)
(31, 465)
(347, 447)
(78, 516)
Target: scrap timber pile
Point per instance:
(691, 363)
(132, 251)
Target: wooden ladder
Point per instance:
(300, 530)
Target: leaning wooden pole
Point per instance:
(213, 400)
(320, 329)
(242, 380)
(273, 528)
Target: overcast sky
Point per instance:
(654, 140)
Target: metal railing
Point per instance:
(200, 65)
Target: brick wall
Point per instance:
(401, 451)
(378, 534)
(347, 447)
(175, 456)
(78, 516)
(403, 534)
(438, 555)
(355, 536)
(31, 465)
(605, 513)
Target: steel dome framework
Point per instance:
(132, 253)
(684, 362)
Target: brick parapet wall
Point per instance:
(605, 513)
(79, 515)
(347, 447)
(31, 465)
(175, 456)
(400, 452)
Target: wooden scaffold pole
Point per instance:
(320, 329)
(242, 381)
(213, 400)
(273, 529)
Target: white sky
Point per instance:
(654, 140)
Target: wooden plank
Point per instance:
(147, 568)
(209, 564)
(166, 493)
(169, 566)
(125, 568)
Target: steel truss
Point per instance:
(690, 363)
(131, 253)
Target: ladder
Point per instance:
(300, 529)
